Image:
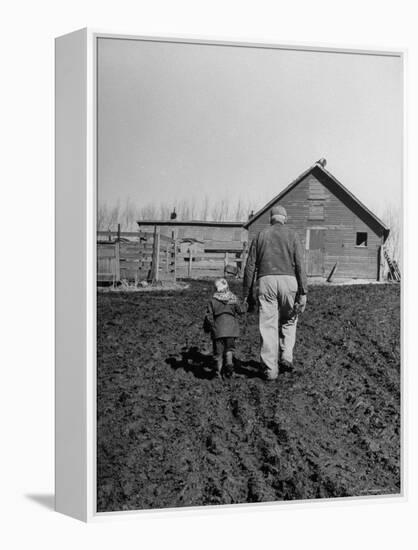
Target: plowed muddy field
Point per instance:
(172, 435)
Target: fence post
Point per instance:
(174, 244)
(190, 262)
(226, 261)
(117, 261)
(155, 256)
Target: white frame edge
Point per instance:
(76, 196)
(75, 304)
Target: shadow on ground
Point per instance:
(192, 360)
(202, 365)
(47, 501)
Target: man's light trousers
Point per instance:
(276, 296)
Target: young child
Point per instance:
(222, 323)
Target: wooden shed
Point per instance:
(204, 248)
(333, 225)
(214, 235)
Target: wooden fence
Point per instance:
(197, 263)
(146, 256)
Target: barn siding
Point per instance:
(341, 224)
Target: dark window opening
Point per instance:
(361, 239)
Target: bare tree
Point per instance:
(114, 216)
(149, 211)
(165, 211)
(204, 212)
(102, 216)
(127, 216)
(216, 209)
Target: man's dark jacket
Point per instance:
(276, 250)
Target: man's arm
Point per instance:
(250, 269)
(300, 271)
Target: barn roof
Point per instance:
(331, 182)
(176, 223)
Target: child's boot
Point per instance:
(219, 363)
(229, 364)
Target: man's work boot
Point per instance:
(285, 366)
(229, 365)
(266, 374)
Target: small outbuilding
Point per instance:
(203, 248)
(336, 230)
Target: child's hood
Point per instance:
(226, 297)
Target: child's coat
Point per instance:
(221, 315)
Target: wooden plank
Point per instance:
(132, 234)
(208, 256)
(104, 277)
(155, 255)
(315, 263)
(317, 239)
(128, 261)
(105, 253)
(230, 246)
(105, 266)
(332, 272)
(207, 265)
(190, 262)
(117, 261)
(115, 233)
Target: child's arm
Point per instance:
(241, 308)
(208, 321)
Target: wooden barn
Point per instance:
(335, 228)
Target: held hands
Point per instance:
(301, 302)
(250, 302)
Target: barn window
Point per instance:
(316, 211)
(316, 190)
(361, 238)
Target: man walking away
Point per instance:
(275, 259)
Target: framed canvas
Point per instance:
(228, 274)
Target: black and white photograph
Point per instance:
(249, 271)
(208, 302)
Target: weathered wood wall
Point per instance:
(195, 264)
(312, 204)
(211, 237)
(206, 251)
(186, 257)
(133, 260)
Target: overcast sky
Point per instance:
(184, 120)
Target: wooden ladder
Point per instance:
(394, 271)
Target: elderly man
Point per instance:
(275, 260)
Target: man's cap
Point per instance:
(278, 211)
